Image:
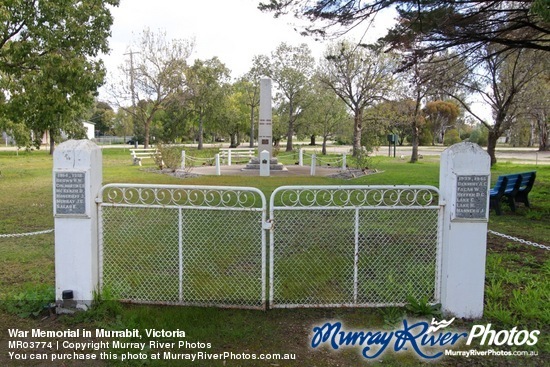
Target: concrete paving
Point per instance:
(291, 170)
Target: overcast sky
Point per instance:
(233, 30)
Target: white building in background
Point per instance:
(90, 129)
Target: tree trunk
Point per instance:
(543, 136)
(324, 150)
(312, 140)
(290, 131)
(234, 143)
(532, 127)
(52, 142)
(146, 133)
(199, 147)
(491, 145)
(252, 127)
(357, 130)
(289, 138)
(414, 140)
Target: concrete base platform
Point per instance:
(274, 165)
(238, 170)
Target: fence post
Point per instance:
(229, 157)
(218, 169)
(265, 163)
(344, 163)
(301, 157)
(313, 164)
(464, 191)
(77, 179)
(183, 159)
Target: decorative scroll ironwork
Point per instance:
(353, 246)
(183, 245)
(182, 196)
(356, 196)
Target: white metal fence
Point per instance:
(330, 246)
(353, 246)
(183, 245)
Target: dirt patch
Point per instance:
(502, 245)
(354, 173)
(175, 173)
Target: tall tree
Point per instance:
(361, 77)
(249, 85)
(325, 113)
(440, 115)
(395, 116)
(234, 113)
(151, 75)
(536, 104)
(102, 116)
(291, 67)
(206, 86)
(49, 70)
(439, 24)
(500, 80)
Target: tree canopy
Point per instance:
(49, 71)
(435, 24)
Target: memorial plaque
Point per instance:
(471, 196)
(70, 193)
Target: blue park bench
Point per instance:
(514, 188)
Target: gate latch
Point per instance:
(269, 225)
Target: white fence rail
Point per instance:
(185, 245)
(354, 246)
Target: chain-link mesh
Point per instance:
(183, 245)
(353, 246)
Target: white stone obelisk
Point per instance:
(265, 134)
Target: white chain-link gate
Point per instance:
(330, 246)
(186, 245)
(353, 246)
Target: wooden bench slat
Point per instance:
(513, 187)
(139, 154)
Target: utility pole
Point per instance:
(133, 92)
(132, 89)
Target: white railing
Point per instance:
(185, 245)
(354, 246)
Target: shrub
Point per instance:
(426, 137)
(169, 157)
(451, 137)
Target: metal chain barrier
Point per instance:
(25, 234)
(519, 240)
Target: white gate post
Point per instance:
(344, 163)
(77, 179)
(183, 159)
(313, 164)
(218, 168)
(464, 187)
(229, 157)
(301, 157)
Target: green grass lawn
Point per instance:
(517, 276)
